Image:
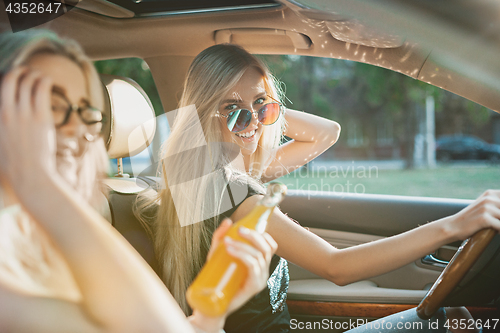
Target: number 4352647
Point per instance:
(471, 324)
(32, 8)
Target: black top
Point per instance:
(267, 311)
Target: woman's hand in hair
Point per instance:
(27, 133)
(311, 136)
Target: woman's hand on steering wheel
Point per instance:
(480, 219)
(481, 214)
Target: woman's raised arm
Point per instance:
(311, 135)
(344, 266)
(120, 292)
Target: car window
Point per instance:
(383, 147)
(399, 136)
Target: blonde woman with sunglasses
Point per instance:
(63, 268)
(226, 139)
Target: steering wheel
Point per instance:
(456, 269)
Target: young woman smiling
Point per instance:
(63, 268)
(226, 137)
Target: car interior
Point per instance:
(427, 41)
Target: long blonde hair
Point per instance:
(24, 253)
(196, 165)
(19, 48)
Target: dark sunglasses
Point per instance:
(238, 120)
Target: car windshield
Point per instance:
(393, 132)
(385, 146)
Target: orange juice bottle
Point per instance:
(223, 275)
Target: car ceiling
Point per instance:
(169, 7)
(451, 44)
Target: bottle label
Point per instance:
(262, 223)
(225, 279)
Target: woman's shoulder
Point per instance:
(255, 189)
(10, 212)
(15, 222)
(249, 185)
(246, 206)
(242, 189)
(28, 260)
(239, 194)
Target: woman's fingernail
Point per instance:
(228, 240)
(244, 230)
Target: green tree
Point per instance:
(349, 91)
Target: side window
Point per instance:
(138, 70)
(399, 136)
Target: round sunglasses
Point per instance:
(62, 109)
(90, 116)
(238, 120)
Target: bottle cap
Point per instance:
(275, 194)
(275, 188)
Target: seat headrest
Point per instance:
(131, 122)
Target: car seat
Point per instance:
(129, 129)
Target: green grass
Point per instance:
(466, 182)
